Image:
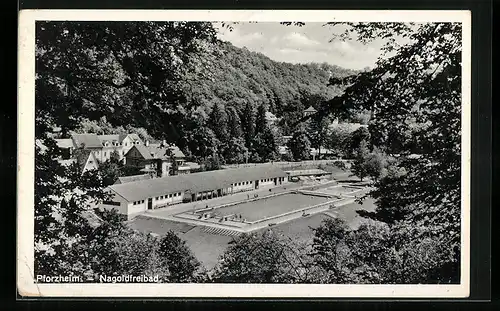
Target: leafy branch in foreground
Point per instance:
(421, 83)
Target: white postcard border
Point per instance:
(26, 142)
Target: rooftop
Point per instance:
(310, 109)
(64, 143)
(126, 179)
(195, 182)
(158, 151)
(88, 140)
(112, 138)
(82, 157)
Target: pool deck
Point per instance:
(240, 227)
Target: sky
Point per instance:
(306, 44)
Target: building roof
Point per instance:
(143, 150)
(322, 150)
(89, 140)
(310, 109)
(157, 151)
(64, 143)
(134, 137)
(111, 138)
(82, 156)
(347, 126)
(93, 220)
(67, 162)
(126, 179)
(282, 149)
(195, 182)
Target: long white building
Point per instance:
(133, 198)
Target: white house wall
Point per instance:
(266, 182)
(243, 186)
(134, 210)
(122, 209)
(131, 210)
(168, 199)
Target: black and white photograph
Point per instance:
(244, 154)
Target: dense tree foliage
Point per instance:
(338, 140)
(375, 254)
(299, 145)
(318, 131)
(239, 76)
(265, 257)
(128, 73)
(416, 91)
(183, 267)
(359, 167)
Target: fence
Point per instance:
(320, 206)
(213, 208)
(288, 165)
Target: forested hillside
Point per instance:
(237, 76)
(170, 89)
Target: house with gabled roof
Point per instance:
(309, 111)
(86, 160)
(126, 179)
(66, 146)
(154, 159)
(103, 146)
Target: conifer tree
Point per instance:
(248, 124)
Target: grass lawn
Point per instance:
(158, 226)
(337, 190)
(301, 231)
(206, 247)
(349, 215)
(272, 206)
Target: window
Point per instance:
(170, 195)
(179, 194)
(175, 194)
(157, 198)
(105, 153)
